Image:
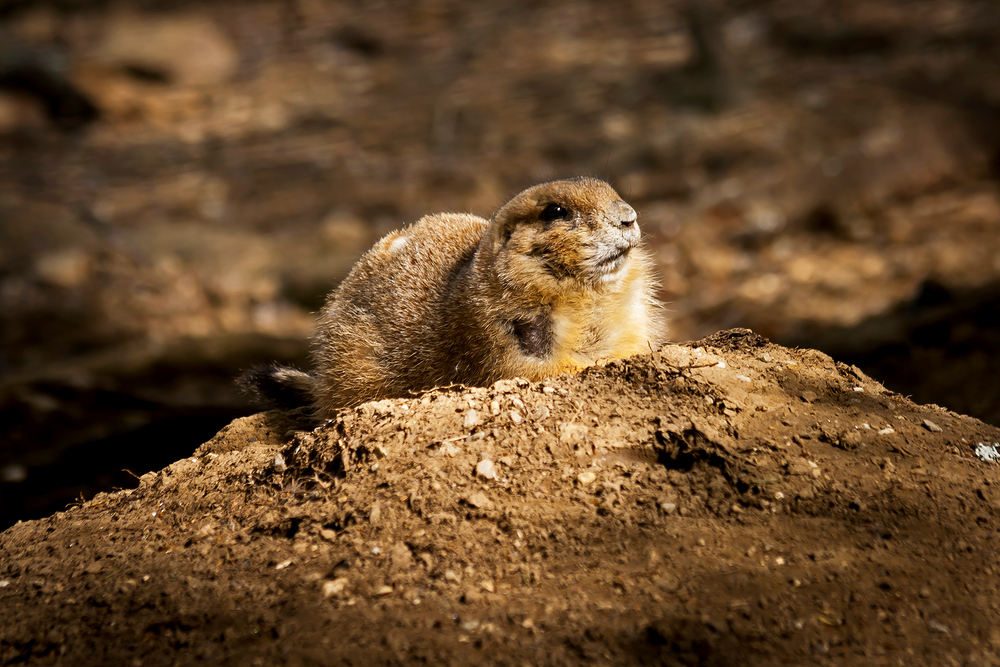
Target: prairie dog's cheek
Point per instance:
(524, 239)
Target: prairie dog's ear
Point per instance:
(517, 211)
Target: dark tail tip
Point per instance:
(278, 387)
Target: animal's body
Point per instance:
(556, 280)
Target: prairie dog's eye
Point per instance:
(554, 212)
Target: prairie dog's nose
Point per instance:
(626, 214)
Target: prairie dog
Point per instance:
(556, 280)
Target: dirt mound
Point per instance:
(727, 500)
(182, 184)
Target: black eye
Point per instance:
(555, 212)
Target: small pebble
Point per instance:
(586, 477)
(541, 413)
(798, 466)
(938, 627)
(335, 587)
(478, 500)
(486, 470)
(931, 426)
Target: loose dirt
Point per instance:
(824, 173)
(725, 501)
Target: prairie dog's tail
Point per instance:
(278, 387)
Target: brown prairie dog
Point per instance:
(556, 280)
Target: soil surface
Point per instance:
(182, 182)
(728, 501)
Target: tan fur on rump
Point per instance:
(455, 298)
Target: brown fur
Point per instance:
(455, 298)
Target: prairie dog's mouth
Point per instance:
(612, 261)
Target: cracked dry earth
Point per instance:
(728, 501)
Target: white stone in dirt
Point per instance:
(541, 413)
(988, 452)
(586, 477)
(486, 470)
(471, 419)
(334, 588)
(478, 500)
(932, 427)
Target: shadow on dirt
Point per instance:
(938, 348)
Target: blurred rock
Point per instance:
(66, 268)
(183, 49)
(19, 112)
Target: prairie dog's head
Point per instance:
(564, 234)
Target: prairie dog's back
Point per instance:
(377, 333)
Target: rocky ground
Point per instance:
(181, 184)
(726, 501)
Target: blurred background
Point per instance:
(181, 183)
